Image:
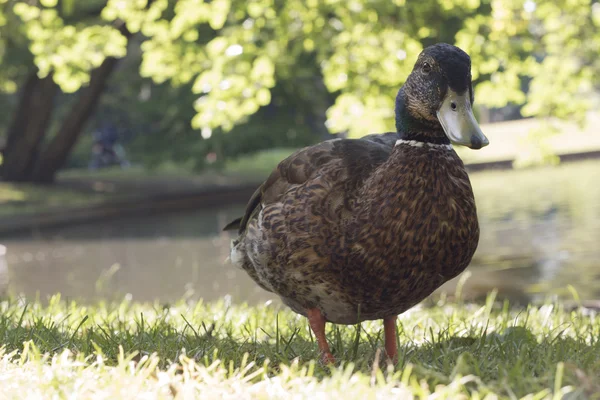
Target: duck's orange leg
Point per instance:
(391, 346)
(317, 324)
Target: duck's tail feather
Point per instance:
(233, 225)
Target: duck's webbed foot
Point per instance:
(317, 324)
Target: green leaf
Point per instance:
(263, 96)
(49, 3)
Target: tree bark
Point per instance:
(28, 128)
(56, 153)
(20, 120)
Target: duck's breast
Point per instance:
(417, 230)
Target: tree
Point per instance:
(237, 56)
(540, 54)
(66, 55)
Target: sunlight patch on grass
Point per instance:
(34, 376)
(517, 140)
(16, 199)
(10, 193)
(452, 350)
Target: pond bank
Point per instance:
(143, 203)
(149, 196)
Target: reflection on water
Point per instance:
(165, 256)
(540, 233)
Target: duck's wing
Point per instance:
(359, 157)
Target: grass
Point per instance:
(191, 349)
(257, 165)
(17, 199)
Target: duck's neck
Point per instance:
(411, 127)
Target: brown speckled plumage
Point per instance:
(378, 234)
(362, 229)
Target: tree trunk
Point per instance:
(28, 128)
(56, 153)
(20, 120)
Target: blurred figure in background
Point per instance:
(106, 151)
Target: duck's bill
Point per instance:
(458, 121)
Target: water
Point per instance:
(540, 234)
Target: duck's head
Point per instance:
(435, 103)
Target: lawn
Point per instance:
(61, 349)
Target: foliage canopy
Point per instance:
(543, 54)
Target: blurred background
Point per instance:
(132, 131)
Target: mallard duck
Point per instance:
(350, 230)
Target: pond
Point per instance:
(540, 234)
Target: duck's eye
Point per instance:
(426, 68)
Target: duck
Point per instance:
(349, 230)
